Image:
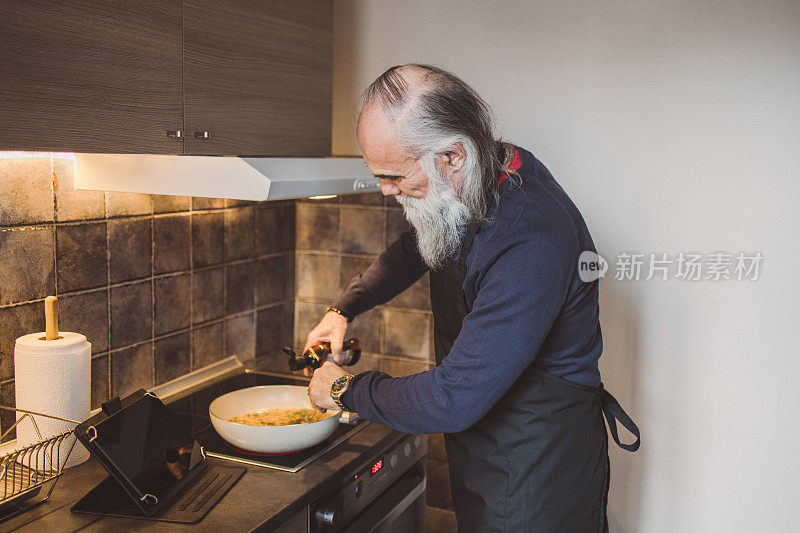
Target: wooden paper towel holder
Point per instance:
(50, 319)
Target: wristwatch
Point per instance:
(338, 387)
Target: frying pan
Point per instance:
(268, 439)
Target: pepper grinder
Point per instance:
(315, 355)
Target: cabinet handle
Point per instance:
(175, 134)
(202, 135)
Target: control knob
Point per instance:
(326, 516)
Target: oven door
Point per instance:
(401, 507)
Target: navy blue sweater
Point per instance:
(526, 305)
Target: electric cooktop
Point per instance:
(192, 410)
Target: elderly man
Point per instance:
(516, 388)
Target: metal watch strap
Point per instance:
(335, 396)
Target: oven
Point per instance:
(374, 498)
(401, 508)
(386, 494)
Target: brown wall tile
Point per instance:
(26, 191)
(208, 239)
(362, 231)
(366, 327)
(369, 198)
(268, 273)
(307, 316)
(163, 203)
(287, 323)
(367, 363)
(396, 224)
(269, 334)
(230, 202)
(208, 296)
(86, 314)
(131, 369)
(120, 204)
(15, 322)
(207, 203)
(391, 201)
(171, 243)
(172, 303)
(275, 229)
(81, 256)
(26, 264)
(131, 314)
(418, 296)
(72, 204)
(398, 367)
(276, 362)
(240, 283)
(406, 333)
(240, 235)
(7, 418)
(240, 336)
(207, 345)
(350, 268)
(317, 227)
(172, 357)
(130, 249)
(100, 392)
(317, 276)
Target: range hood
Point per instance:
(240, 178)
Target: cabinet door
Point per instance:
(90, 76)
(257, 77)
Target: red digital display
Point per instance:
(376, 467)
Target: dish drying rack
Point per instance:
(24, 472)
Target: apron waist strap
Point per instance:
(614, 412)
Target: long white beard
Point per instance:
(440, 220)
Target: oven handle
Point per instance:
(417, 479)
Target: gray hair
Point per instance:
(436, 113)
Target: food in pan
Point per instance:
(279, 417)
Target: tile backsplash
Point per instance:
(160, 285)
(338, 239)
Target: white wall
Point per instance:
(674, 126)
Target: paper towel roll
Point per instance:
(53, 377)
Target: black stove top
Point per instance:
(192, 411)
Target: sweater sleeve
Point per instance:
(395, 270)
(517, 302)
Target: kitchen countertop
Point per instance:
(260, 495)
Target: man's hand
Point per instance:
(331, 328)
(320, 386)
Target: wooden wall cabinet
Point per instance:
(215, 77)
(257, 77)
(93, 76)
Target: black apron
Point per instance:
(538, 461)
